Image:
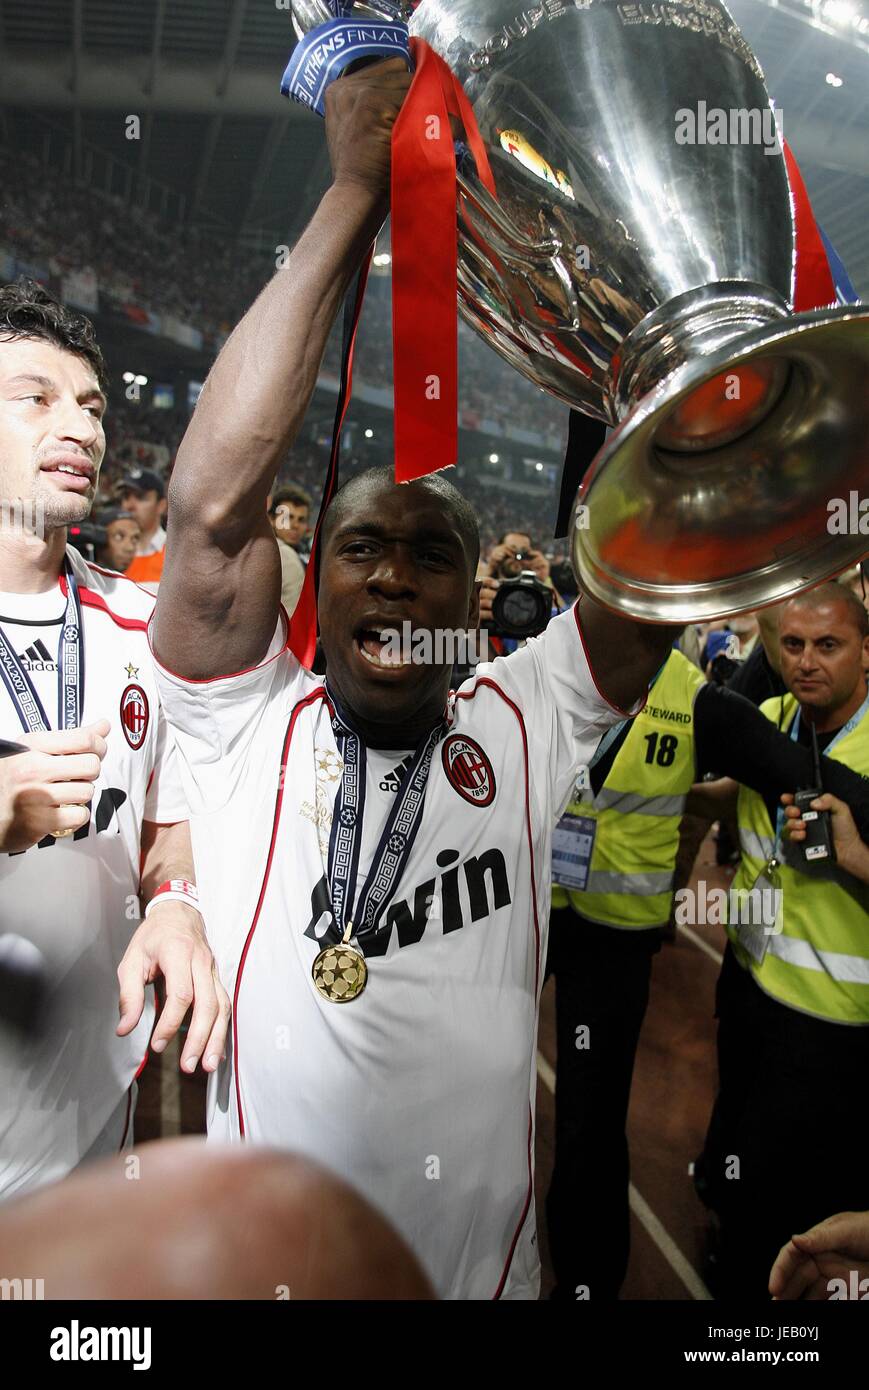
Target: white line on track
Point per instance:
(703, 945)
(546, 1073)
(668, 1247)
(640, 1207)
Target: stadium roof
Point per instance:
(220, 146)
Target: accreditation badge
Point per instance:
(758, 915)
(572, 848)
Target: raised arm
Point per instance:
(219, 596)
(733, 737)
(625, 655)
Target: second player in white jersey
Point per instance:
(421, 1091)
(92, 822)
(76, 899)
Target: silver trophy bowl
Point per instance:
(649, 281)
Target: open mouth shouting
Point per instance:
(382, 648)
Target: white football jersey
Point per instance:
(68, 1094)
(420, 1092)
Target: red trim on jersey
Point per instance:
(469, 695)
(115, 574)
(91, 599)
(626, 714)
(230, 675)
(317, 694)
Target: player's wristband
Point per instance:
(175, 890)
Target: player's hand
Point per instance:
(831, 1250)
(851, 853)
(171, 942)
(488, 590)
(49, 788)
(360, 112)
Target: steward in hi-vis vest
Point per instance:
(788, 1138)
(817, 957)
(615, 852)
(614, 855)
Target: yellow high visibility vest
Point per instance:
(638, 809)
(817, 957)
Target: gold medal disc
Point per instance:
(340, 973)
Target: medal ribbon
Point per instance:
(303, 620)
(396, 838)
(70, 671)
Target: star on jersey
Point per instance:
(328, 764)
(132, 671)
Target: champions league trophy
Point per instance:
(639, 262)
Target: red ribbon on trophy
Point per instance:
(814, 287)
(424, 264)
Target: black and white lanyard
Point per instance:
(70, 671)
(396, 839)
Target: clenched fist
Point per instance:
(47, 790)
(360, 112)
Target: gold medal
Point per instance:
(339, 972)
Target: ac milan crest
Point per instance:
(468, 769)
(134, 715)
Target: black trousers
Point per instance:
(788, 1141)
(601, 984)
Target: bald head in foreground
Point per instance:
(182, 1220)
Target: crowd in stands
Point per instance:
(197, 277)
(204, 281)
(146, 438)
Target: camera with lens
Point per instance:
(522, 606)
(87, 537)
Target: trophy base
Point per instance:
(724, 488)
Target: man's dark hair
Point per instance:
(836, 593)
(293, 494)
(28, 311)
(107, 515)
(518, 531)
(562, 575)
(458, 504)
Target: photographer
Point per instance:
(517, 597)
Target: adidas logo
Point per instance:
(38, 658)
(392, 780)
